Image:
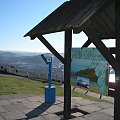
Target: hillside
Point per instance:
(10, 84)
(29, 62)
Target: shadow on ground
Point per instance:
(37, 111)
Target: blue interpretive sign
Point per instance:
(89, 69)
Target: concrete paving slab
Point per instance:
(77, 114)
(89, 93)
(74, 105)
(13, 107)
(54, 109)
(4, 102)
(5, 97)
(15, 96)
(43, 106)
(79, 118)
(34, 111)
(51, 117)
(13, 115)
(85, 102)
(76, 100)
(104, 105)
(31, 105)
(57, 102)
(61, 105)
(36, 99)
(19, 96)
(108, 111)
(60, 99)
(98, 116)
(111, 99)
(32, 95)
(90, 108)
(37, 118)
(19, 101)
(1, 118)
(2, 109)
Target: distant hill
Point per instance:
(8, 54)
(29, 61)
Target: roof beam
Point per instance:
(87, 43)
(112, 50)
(107, 38)
(48, 45)
(95, 39)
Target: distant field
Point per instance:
(19, 85)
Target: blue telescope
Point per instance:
(50, 91)
(48, 60)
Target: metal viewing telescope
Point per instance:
(50, 91)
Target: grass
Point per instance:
(16, 85)
(90, 89)
(10, 85)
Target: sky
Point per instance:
(17, 17)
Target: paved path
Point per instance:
(32, 107)
(92, 94)
(96, 95)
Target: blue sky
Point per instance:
(17, 17)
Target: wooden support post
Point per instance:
(117, 72)
(67, 74)
(47, 44)
(117, 98)
(87, 43)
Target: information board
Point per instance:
(89, 69)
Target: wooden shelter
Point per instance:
(99, 20)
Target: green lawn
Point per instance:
(16, 85)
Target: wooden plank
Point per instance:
(104, 28)
(107, 37)
(87, 43)
(110, 16)
(83, 20)
(67, 74)
(108, 23)
(47, 44)
(98, 27)
(95, 39)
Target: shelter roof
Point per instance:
(78, 15)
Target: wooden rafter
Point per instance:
(112, 50)
(87, 43)
(47, 44)
(95, 39)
